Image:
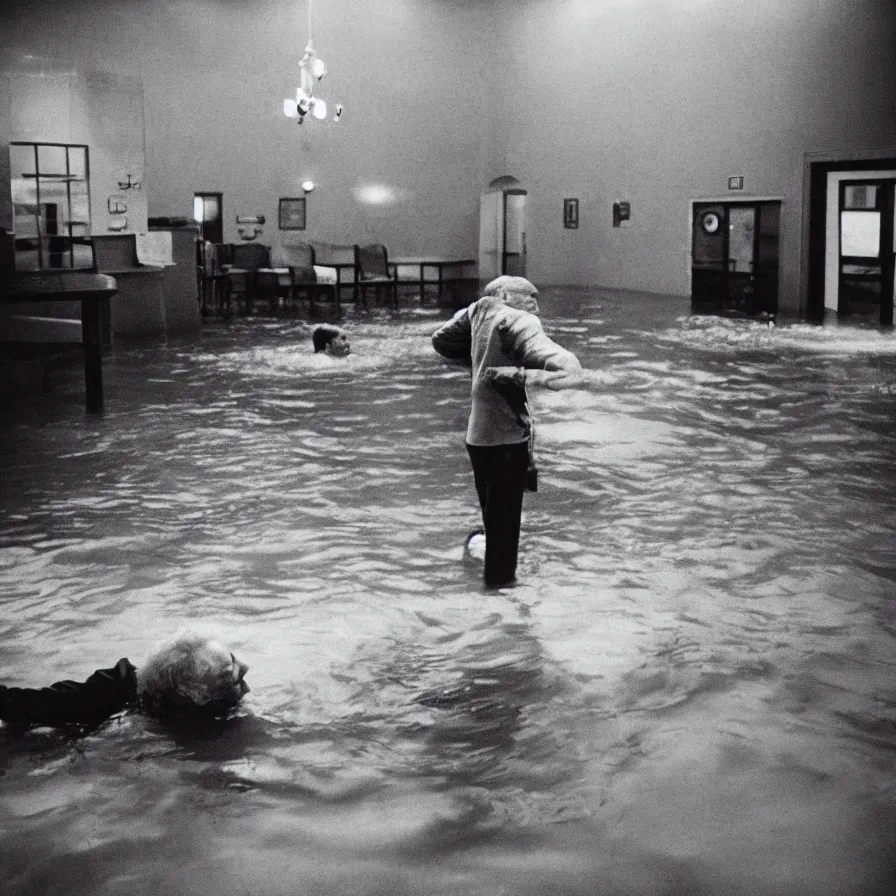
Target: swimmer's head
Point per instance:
(517, 292)
(191, 675)
(331, 341)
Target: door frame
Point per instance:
(816, 167)
(885, 208)
(728, 200)
(512, 191)
(220, 198)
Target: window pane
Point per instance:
(860, 234)
(21, 160)
(708, 244)
(51, 160)
(860, 196)
(77, 161)
(741, 227)
(861, 269)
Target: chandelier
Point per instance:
(311, 70)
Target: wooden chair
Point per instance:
(242, 276)
(372, 269)
(303, 277)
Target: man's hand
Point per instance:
(505, 376)
(517, 376)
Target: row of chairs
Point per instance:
(230, 273)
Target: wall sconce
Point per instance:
(307, 185)
(249, 233)
(129, 184)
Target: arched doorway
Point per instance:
(502, 229)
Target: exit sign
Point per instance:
(736, 183)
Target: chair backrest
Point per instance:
(372, 262)
(214, 257)
(251, 256)
(223, 254)
(296, 255)
(333, 253)
(301, 263)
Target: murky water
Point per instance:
(693, 690)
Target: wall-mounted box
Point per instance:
(622, 212)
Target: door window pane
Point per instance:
(860, 234)
(741, 229)
(864, 269)
(860, 196)
(708, 244)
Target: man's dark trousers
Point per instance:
(499, 472)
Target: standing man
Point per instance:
(502, 339)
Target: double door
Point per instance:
(734, 257)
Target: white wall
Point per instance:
(655, 102)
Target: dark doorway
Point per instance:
(734, 257)
(207, 212)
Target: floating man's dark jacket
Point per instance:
(105, 693)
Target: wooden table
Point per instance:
(421, 262)
(91, 290)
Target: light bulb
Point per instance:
(308, 185)
(319, 108)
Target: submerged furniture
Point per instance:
(372, 270)
(242, 276)
(303, 278)
(340, 259)
(91, 290)
(140, 309)
(174, 249)
(214, 259)
(420, 263)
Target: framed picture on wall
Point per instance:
(292, 214)
(571, 213)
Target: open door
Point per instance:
(514, 260)
(502, 230)
(207, 213)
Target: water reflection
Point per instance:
(691, 691)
